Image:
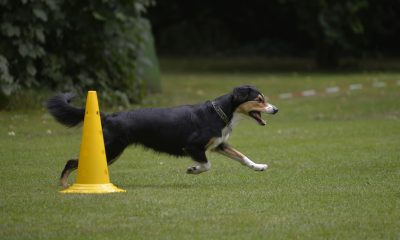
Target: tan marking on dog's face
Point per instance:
(258, 104)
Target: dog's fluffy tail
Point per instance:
(60, 108)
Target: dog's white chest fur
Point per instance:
(226, 131)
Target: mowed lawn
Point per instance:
(334, 169)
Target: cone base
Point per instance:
(92, 188)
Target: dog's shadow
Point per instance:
(159, 186)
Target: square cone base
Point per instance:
(92, 188)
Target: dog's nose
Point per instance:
(275, 111)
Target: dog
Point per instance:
(188, 130)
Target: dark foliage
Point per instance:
(74, 45)
(324, 29)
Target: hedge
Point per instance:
(72, 45)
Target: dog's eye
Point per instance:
(259, 100)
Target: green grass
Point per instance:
(334, 170)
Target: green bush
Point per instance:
(72, 45)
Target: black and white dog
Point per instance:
(188, 130)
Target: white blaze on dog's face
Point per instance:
(254, 107)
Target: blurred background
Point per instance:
(326, 31)
(117, 47)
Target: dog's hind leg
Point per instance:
(70, 166)
(234, 154)
(200, 157)
(113, 151)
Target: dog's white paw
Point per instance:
(259, 167)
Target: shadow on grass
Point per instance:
(159, 186)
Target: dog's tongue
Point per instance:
(257, 116)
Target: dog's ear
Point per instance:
(240, 94)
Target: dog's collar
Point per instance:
(220, 112)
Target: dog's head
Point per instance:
(252, 102)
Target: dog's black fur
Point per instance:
(179, 131)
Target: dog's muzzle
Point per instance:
(271, 109)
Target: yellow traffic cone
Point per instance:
(92, 176)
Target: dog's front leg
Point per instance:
(234, 154)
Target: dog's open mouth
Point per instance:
(257, 116)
